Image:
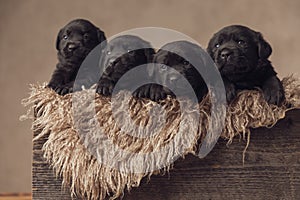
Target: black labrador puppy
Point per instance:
(120, 55)
(74, 42)
(170, 69)
(241, 55)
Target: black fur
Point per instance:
(74, 42)
(122, 54)
(241, 55)
(167, 56)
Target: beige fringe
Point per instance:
(66, 152)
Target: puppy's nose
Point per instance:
(72, 47)
(111, 61)
(225, 53)
(173, 78)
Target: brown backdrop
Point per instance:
(27, 53)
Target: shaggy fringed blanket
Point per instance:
(78, 158)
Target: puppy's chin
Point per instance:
(74, 57)
(235, 72)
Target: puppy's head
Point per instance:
(76, 39)
(236, 50)
(169, 56)
(127, 51)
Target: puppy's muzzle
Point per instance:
(225, 54)
(174, 80)
(111, 60)
(72, 46)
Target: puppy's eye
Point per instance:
(65, 37)
(163, 67)
(217, 45)
(241, 42)
(186, 62)
(130, 51)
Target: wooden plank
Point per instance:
(271, 170)
(45, 185)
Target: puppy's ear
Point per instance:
(264, 48)
(100, 35)
(58, 38)
(209, 51)
(210, 46)
(149, 52)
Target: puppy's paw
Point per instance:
(65, 89)
(153, 92)
(53, 86)
(274, 96)
(105, 87)
(143, 91)
(157, 93)
(60, 88)
(273, 91)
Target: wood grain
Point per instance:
(271, 170)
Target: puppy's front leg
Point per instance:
(105, 86)
(61, 81)
(273, 91)
(230, 90)
(57, 79)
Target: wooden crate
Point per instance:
(271, 170)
